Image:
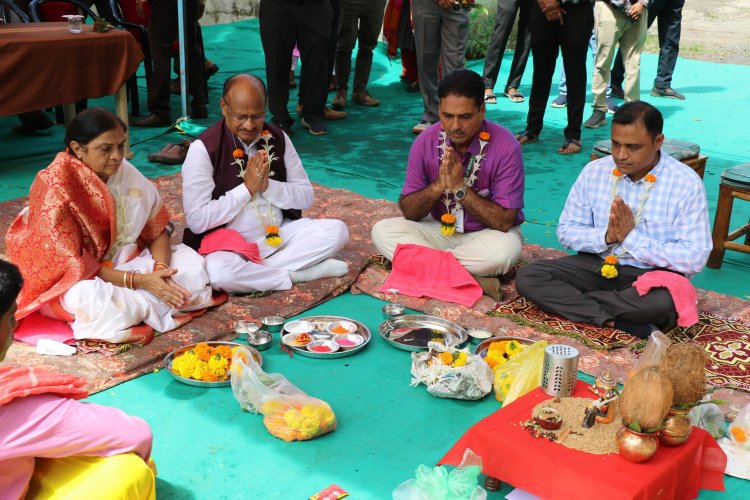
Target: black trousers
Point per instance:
(547, 39)
(504, 19)
(571, 287)
(162, 34)
(282, 24)
(669, 14)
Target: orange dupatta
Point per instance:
(66, 232)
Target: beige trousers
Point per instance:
(614, 28)
(483, 253)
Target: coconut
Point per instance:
(646, 398)
(685, 365)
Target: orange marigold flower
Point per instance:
(107, 263)
(650, 178)
(204, 351)
(209, 376)
(238, 153)
(616, 172)
(448, 219)
(611, 260)
(485, 136)
(224, 351)
(265, 132)
(272, 229)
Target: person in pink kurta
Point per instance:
(39, 414)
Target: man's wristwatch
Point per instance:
(460, 193)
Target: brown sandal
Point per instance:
(567, 144)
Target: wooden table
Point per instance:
(44, 65)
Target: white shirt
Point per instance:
(248, 216)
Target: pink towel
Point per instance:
(35, 326)
(684, 294)
(420, 271)
(229, 240)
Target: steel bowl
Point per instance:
(272, 324)
(260, 340)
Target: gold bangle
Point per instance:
(160, 265)
(125, 279)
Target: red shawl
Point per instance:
(66, 232)
(391, 23)
(22, 381)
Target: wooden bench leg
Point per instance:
(721, 226)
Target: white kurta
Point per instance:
(104, 311)
(305, 242)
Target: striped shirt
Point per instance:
(673, 232)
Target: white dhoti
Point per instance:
(483, 253)
(105, 312)
(305, 242)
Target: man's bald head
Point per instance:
(247, 82)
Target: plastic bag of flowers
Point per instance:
(436, 483)
(288, 413)
(451, 373)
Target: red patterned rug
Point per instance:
(107, 370)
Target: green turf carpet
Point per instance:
(206, 448)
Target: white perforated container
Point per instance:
(560, 370)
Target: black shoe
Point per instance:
(212, 70)
(198, 111)
(668, 92)
(315, 127)
(617, 92)
(153, 120)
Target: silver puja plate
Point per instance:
(412, 332)
(320, 323)
(169, 358)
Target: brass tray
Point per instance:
(320, 323)
(200, 383)
(453, 334)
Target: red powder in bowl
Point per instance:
(346, 342)
(320, 348)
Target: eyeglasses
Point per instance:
(243, 118)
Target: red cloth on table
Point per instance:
(420, 271)
(22, 381)
(552, 471)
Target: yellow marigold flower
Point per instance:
(448, 219)
(609, 271)
(513, 348)
(461, 359)
(485, 136)
(446, 358)
(650, 178)
(494, 359)
(218, 366)
(273, 406)
(184, 364)
(611, 260)
(200, 367)
(616, 172)
(447, 230)
(274, 241)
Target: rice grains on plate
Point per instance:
(598, 440)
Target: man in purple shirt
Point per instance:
(470, 169)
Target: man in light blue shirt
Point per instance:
(640, 206)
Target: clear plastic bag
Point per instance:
(656, 348)
(288, 413)
(436, 483)
(464, 376)
(710, 418)
(739, 429)
(520, 374)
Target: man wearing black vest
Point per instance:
(244, 176)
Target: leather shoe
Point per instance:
(198, 111)
(153, 120)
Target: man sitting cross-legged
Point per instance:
(469, 172)
(638, 210)
(244, 176)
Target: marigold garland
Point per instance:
(616, 172)
(485, 136)
(650, 178)
(448, 224)
(238, 153)
(272, 236)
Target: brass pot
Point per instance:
(677, 428)
(635, 446)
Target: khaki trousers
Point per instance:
(614, 28)
(483, 253)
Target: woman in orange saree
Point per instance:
(92, 244)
